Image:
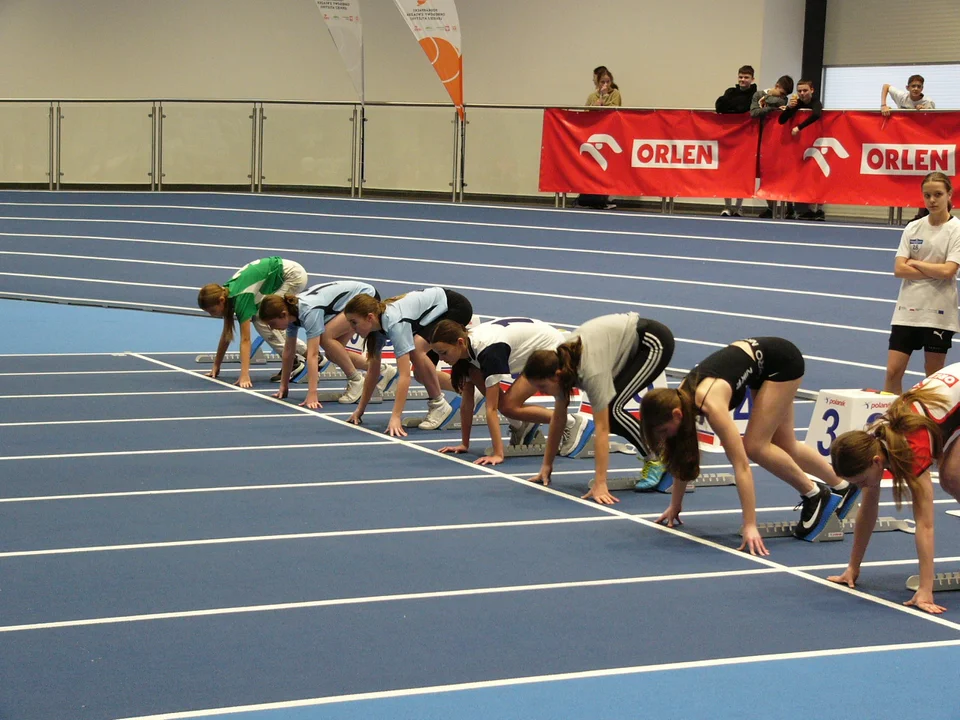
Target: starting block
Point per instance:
(378, 397)
(629, 482)
(835, 528)
(942, 582)
(257, 355)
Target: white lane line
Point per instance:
(370, 599)
(181, 451)
(555, 677)
(112, 394)
(609, 510)
(875, 563)
(474, 223)
(71, 373)
(240, 488)
(302, 536)
(46, 423)
(493, 266)
(94, 302)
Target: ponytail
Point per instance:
(209, 297)
(680, 453)
(365, 305)
(273, 306)
(853, 451)
(565, 360)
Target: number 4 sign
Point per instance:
(838, 411)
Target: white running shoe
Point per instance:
(523, 433)
(353, 392)
(578, 431)
(437, 413)
(298, 365)
(388, 373)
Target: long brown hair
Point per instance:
(544, 364)
(272, 307)
(209, 297)
(680, 453)
(853, 451)
(449, 332)
(366, 305)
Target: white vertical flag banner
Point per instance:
(437, 28)
(343, 22)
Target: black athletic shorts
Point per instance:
(907, 338)
(459, 310)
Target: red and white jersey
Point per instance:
(946, 382)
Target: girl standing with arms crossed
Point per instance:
(407, 320)
(240, 297)
(318, 311)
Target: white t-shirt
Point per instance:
(929, 302)
(903, 100)
(500, 348)
(609, 342)
(319, 304)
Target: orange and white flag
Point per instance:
(437, 28)
(343, 22)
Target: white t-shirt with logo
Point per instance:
(929, 302)
(903, 100)
(500, 348)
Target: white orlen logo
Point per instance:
(819, 150)
(594, 145)
(913, 159)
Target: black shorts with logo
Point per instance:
(907, 338)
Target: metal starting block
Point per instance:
(377, 398)
(478, 419)
(942, 582)
(835, 529)
(629, 482)
(539, 446)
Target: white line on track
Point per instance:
(493, 266)
(241, 488)
(609, 510)
(99, 281)
(181, 451)
(71, 300)
(186, 418)
(302, 536)
(71, 373)
(745, 660)
(352, 601)
(474, 223)
(143, 393)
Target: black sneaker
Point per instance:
(766, 214)
(809, 215)
(819, 215)
(298, 366)
(814, 513)
(848, 500)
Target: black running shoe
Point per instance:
(848, 500)
(814, 513)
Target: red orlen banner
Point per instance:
(857, 158)
(660, 153)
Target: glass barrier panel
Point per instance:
(25, 142)
(409, 148)
(106, 143)
(207, 143)
(307, 145)
(502, 151)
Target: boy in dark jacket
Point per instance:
(737, 100)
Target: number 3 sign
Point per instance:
(838, 411)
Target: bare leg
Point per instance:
(950, 471)
(933, 362)
(773, 410)
(896, 367)
(512, 404)
(424, 370)
(808, 459)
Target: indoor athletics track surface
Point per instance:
(175, 547)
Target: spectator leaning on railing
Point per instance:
(766, 101)
(737, 100)
(804, 100)
(607, 94)
(911, 99)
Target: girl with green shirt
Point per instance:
(240, 297)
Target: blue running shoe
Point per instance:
(650, 475)
(848, 500)
(814, 513)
